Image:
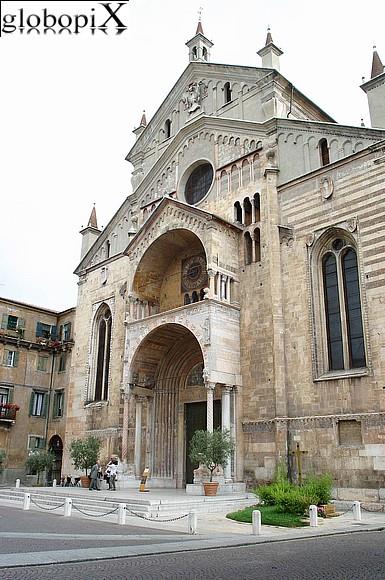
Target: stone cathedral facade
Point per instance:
(241, 284)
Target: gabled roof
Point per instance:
(168, 201)
(195, 70)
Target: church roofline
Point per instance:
(331, 166)
(193, 67)
(182, 205)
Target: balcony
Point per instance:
(8, 412)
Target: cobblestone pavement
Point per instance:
(358, 556)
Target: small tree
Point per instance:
(211, 449)
(84, 452)
(39, 461)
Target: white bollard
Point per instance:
(67, 507)
(122, 514)
(192, 523)
(54, 483)
(313, 516)
(27, 501)
(256, 523)
(357, 511)
(17, 485)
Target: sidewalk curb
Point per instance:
(198, 544)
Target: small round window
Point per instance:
(198, 183)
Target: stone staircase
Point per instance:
(145, 506)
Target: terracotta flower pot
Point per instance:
(210, 488)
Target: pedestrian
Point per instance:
(112, 470)
(94, 476)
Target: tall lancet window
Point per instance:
(344, 328)
(102, 348)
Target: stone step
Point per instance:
(144, 506)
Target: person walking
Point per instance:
(113, 470)
(94, 476)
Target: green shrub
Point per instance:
(271, 494)
(296, 501)
(319, 486)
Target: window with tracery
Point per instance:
(102, 345)
(342, 304)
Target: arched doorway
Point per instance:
(169, 402)
(55, 447)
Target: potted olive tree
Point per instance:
(211, 449)
(84, 454)
(38, 462)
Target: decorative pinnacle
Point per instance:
(269, 38)
(199, 27)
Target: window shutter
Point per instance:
(4, 321)
(32, 442)
(16, 359)
(54, 406)
(41, 443)
(31, 401)
(39, 329)
(60, 332)
(21, 323)
(5, 357)
(53, 332)
(45, 405)
(69, 330)
(10, 395)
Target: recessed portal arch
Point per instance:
(159, 374)
(174, 264)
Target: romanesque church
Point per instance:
(241, 284)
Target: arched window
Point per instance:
(224, 182)
(344, 328)
(257, 206)
(248, 249)
(204, 53)
(227, 92)
(245, 172)
(194, 297)
(234, 178)
(187, 299)
(324, 152)
(257, 244)
(145, 214)
(248, 211)
(102, 349)
(108, 248)
(195, 52)
(237, 212)
(167, 129)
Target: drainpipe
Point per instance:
(49, 399)
(291, 100)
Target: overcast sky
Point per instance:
(69, 104)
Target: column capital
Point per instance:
(211, 273)
(227, 388)
(210, 385)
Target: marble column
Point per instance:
(138, 435)
(211, 274)
(226, 424)
(126, 399)
(210, 387)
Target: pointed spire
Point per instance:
(199, 27)
(270, 53)
(143, 120)
(269, 38)
(377, 66)
(93, 222)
